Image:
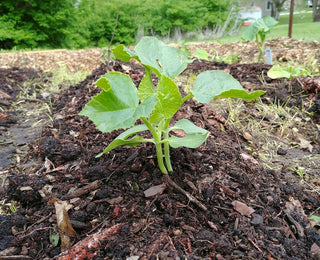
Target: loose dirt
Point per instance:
(246, 174)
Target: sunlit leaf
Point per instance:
(194, 138)
(122, 139)
(146, 87)
(217, 83)
(168, 100)
(161, 58)
(117, 106)
(262, 25)
(122, 53)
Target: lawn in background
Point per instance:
(302, 29)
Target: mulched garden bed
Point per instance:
(253, 212)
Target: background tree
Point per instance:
(88, 23)
(316, 10)
(276, 8)
(36, 23)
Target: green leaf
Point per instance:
(238, 93)
(277, 72)
(122, 139)
(216, 83)
(54, 238)
(195, 135)
(189, 141)
(116, 105)
(146, 87)
(161, 58)
(188, 127)
(168, 100)
(262, 25)
(201, 54)
(270, 21)
(122, 53)
(315, 219)
(146, 107)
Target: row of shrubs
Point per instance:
(26, 24)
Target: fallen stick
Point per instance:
(83, 190)
(187, 194)
(89, 247)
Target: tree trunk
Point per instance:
(316, 10)
(276, 8)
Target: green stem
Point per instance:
(158, 144)
(259, 47)
(190, 95)
(166, 146)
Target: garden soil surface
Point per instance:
(59, 201)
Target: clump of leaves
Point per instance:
(258, 31)
(201, 54)
(288, 71)
(121, 104)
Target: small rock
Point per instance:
(177, 232)
(136, 166)
(168, 219)
(205, 235)
(247, 136)
(281, 151)
(256, 219)
(24, 250)
(91, 207)
(315, 251)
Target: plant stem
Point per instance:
(190, 95)
(157, 140)
(166, 146)
(259, 47)
(160, 158)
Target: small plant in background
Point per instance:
(258, 31)
(121, 104)
(201, 54)
(229, 59)
(288, 71)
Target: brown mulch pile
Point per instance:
(86, 60)
(283, 50)
(253, 212)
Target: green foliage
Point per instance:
(120, 104)
(30, 24)
(258, 31)
(86, 23)
(54, 238)
(97, 18)
(201, 54)
(289, 72)
(204, 55)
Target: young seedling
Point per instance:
(289, 72)
(121, 104)
(258, 31)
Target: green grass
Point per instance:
(297, 18)
(302, 31)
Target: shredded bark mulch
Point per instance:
(252, 212)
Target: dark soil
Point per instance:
(253, 212)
